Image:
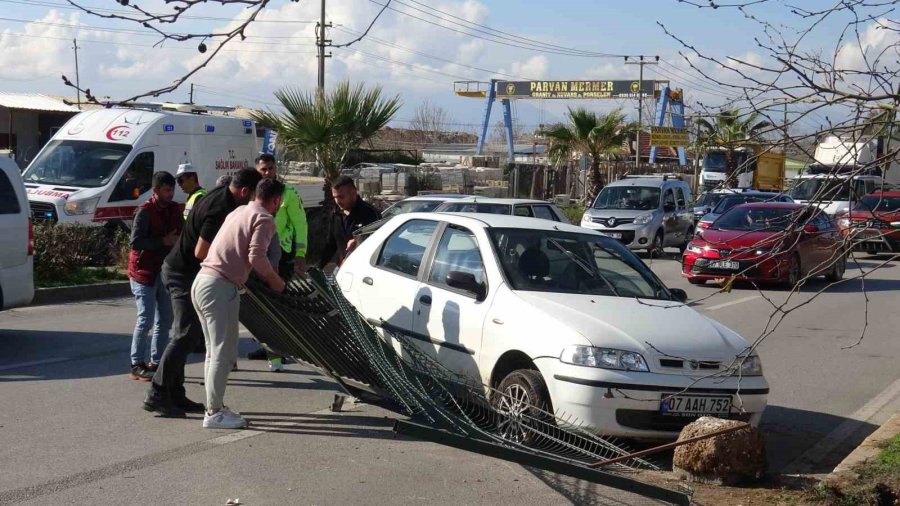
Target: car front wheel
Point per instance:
(837, 270)
(523, 407)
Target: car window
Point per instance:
(9, 201)
(669, 198)
(679, 197)
(457, 251)
(404, 249)
(824, 222)
(136, 180)
(524, 211)
(544, 213)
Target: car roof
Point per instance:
(436, 196)
(494, 200)
(479, 220)
(884, 194)
(646, 181)
(753, 194)
(774, 205)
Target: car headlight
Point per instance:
(85, 206)
(585, 218)
(750, 366)
(694, 248)
(604, 358)
(895, 224)
(763, 251)
(643, 219)
(844, 222)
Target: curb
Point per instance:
(870, 446)
(63, 294)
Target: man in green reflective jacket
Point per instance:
(190, 184)
(291, 232)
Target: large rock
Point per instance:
(729, 459)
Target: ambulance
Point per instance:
(98, 167)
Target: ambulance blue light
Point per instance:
(169, 128)
(210, 129)
(248, 123)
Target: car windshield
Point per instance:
(575, 263)
(475, 207)
(828, 189)
(709, 200)
(755, 219)
(87, 164)
(640, 198)
(728, 203)
(879, 203)
(411, 206)
(714, 162)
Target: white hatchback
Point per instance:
(569, 319)
(17, 243)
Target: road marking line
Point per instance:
(36, 362)
(732, 303)
(828, 444)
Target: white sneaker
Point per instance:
(276, 365)
(224, 419)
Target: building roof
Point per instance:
(34, 102)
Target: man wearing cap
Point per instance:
(190, 185)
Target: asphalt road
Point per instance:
(72, 431)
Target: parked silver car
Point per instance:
(644, 213)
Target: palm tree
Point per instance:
(732, 130)
(329, 125)
(592, 134)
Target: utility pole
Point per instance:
(322, 42)
(641, 62)
(77, 78)
(784, 123)
(191, 99)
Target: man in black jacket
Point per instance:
(351, 214)
(167, 395)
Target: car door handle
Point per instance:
(367, 280)
(425, 299)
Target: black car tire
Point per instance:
(794, 273)
(523, 407)
(837, 270)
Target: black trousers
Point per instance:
(187, 335)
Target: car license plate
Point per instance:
(724, 264)
(613, 235)
(692, 405)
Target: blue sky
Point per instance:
(405, 55)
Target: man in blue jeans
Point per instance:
(157, 224)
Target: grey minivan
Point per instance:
(649, 213)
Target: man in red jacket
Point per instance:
(157, 224)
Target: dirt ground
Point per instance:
(775, 490)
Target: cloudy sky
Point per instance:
(416, 49)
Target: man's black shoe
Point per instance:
(259, 354)
(163, 406)
(188, 405)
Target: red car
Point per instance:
(767, 242)
(873, 225)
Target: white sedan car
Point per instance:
(556, 315)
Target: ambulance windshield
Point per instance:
(86, 164)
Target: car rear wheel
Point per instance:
(837, 270)
(523, 406)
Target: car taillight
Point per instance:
(703, 224)
(30, 237)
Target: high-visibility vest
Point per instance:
(199, 192)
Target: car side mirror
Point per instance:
(466, 281)
(678, 294)
(810, 229)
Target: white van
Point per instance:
(17, 244)
(97, 169)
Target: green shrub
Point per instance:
(574, 214)
(60, 250)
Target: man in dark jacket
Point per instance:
(157, 224)
(167, 395)
(351, 214)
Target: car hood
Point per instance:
(670, 328)
(735, 239)
(863, 215)
(709, 217)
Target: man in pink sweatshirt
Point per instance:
(239, 247)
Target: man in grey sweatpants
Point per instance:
(239, 247)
